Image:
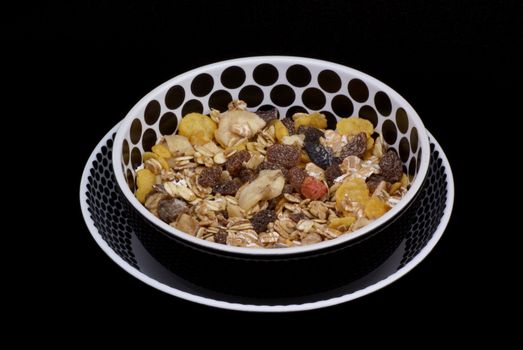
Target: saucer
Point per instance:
(114, 227)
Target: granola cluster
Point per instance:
(248, 179)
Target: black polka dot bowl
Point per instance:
(291, 84)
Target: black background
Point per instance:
(77, 70)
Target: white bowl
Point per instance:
(291, 84)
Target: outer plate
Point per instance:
(108, 221)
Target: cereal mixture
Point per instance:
(249, 179)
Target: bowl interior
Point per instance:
(290, 84)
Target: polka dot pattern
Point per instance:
(252, 95)
(219, 100)
(233, 77)
(152, 112)
(313, 99)
(382, 102)
(342, 106)
(358, 90)
(295, 109)
(282, 95)
(148, 140)
(298, 75)
(192, 106)
(369, 113)
(265, 74)
(402, 121)
(174, 97)
(329, 81)
(168, 123)
(202, 85)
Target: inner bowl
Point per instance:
(291, 84)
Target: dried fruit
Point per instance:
(269, 115)
(228, 188)
(356, 146)
(235, 162)
(280, 131)
(295, 177)
(355, 189)
(187, 224)
(198, 128)
(288, 188)
(342, 224)
(237, 124)
(269, 184)
(221, 236)
(311, 134)
(319, 154)
(150, 155)
(375, 207)
(247, 175)
(391, 166)
(179, 144)
(353, 126)
(331, 173)
(170, 209)
(145, 180)
(210, 176)
(313, 188)
(284, 155)
(161, 150)
(289, 124)
(315, 119)
(261, 219)
(373, 181)
(296, 217)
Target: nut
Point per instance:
(269, 184)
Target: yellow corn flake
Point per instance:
(404, 180)
(344, 222)
(149, 155)
(375, 208)
(198, 128)
(280, 131)
(353, 126)
(145, 179)
(370, 143)
(355, 190)
(161, 150)
(395, 186)
(316, 120)
(239, 147)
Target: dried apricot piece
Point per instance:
(145, 179)
(198, 128)
(280, 131)
(375, 208)
(315, 119)
(353, 126)
(161, 150)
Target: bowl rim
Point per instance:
(423, 142)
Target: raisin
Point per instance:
(210, 176)
(221, 236)
(313, 188)
(373, 181)
(319, 154)
(247, 175)
(228, 188)
(170, 209)
(332, 172)
(269, 115)
(235, 162)
(284, 155)
(356, 147)
(272, 166)
(311, 134)
(295, 177)
(297, 217)
(391, 166)
(289, 124)
(261, 219)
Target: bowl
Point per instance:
(291, 84)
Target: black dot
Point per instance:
(168, 123)
(358, 90)
(342, 106)
(313, 98)
(233, 77)
(418, 160)
(390, 134)
(104, 150)
(148, 140)
(412, 166)
(136, 131)
(414, 139)
(252, 95)
(282, 95)
(125, 152)
(298, 75)
(402, 121)
(295, 109)
(219, 100)
(152, 112)
(192, 106)
(382, 103)
(329, 81)
(367, 112)
(404, 149)
(202, 85)
(265, 74)
(331, 120)
(136, 157)
(174, 97)
(269, 108)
